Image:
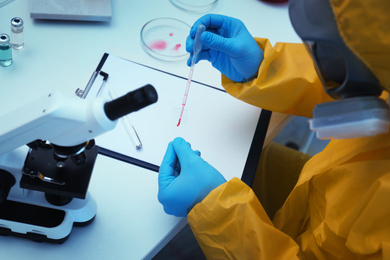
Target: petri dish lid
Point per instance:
(165, 39)
(197, 6)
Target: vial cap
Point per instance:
(17, 22)
(4, 39)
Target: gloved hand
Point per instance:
(229, 47)
(184, 178)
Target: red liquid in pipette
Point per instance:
(183, 104)
(197, 47)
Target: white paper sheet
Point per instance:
(218, 125)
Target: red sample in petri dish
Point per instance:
(164, 38)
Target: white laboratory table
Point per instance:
(130, 223)
(62, 55)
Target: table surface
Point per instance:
(62, 55)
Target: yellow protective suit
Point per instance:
(339, 208)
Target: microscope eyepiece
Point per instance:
(131, 102)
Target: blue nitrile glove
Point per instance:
(229, 47)
(184, 178)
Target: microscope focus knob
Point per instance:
(7, 180)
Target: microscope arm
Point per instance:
(68, 121)
(60, 119)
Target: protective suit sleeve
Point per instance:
(286, 81)
(230, 223)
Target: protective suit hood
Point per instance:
(341, 70)
(348, 42)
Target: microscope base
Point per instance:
(43, 222)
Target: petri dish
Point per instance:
(165, 39)
(196, 6)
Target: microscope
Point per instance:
(47, 155)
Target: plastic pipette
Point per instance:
(197, 47)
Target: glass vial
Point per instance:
(5, 51)
(17, 35)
